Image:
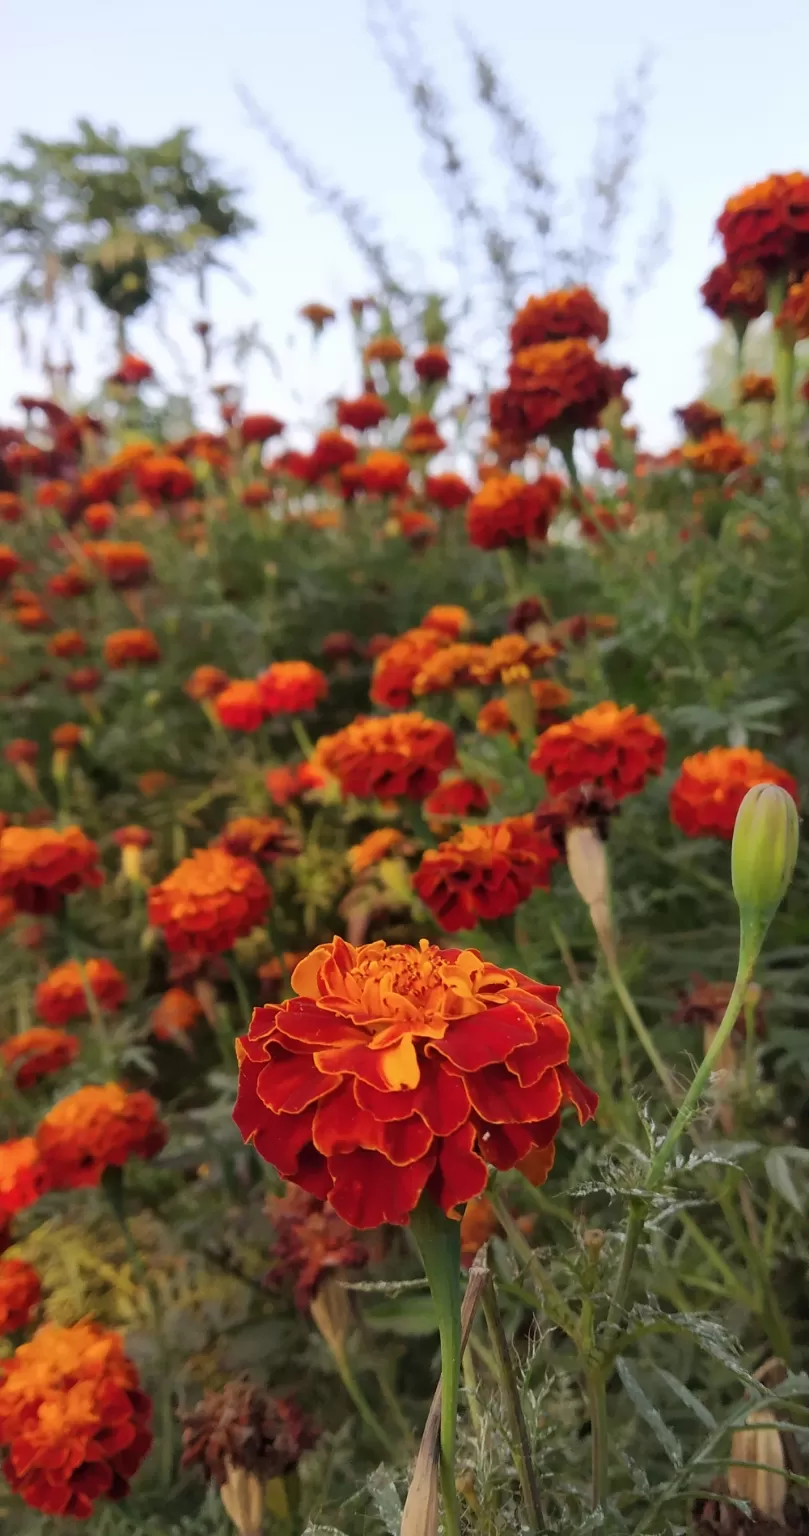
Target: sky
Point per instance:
(727, 107)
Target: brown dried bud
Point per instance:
(243, 1427)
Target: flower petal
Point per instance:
(288, 1084)
(280, 1140)
(341, 1126)
(578, 1094)
(529, 1062)
(491, 1038)
(368, 1190)
(405, 1141)
(500, 1100)
(460, 1173)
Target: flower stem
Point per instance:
(369, 1417)
(439, 1243)
(596, 1391)
(521, 1445)
(628, 1004)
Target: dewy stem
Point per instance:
(439, 1243)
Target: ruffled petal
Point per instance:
(368, 1190)
(290, 1083)
(499, 1099)
(341, 1126)
(460, 1173)
(578, 1094)
(504, 1145)
(281, 1139)
(529, 1062)
(491, 1038)
(405, 1141)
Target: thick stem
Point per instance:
(439, 1243)
(596, 1391)
(521, 1445)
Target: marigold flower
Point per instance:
(72, 582)
(54, 494)
(456, 798)
(511, 659)
(96, 1128)
(208, 902)
(555, 387)
(367, 410)
(100, 516)
(423, 437)
(526, 613)
(389, 756)
(385, 472)
(378, 845)
(507, 509)
(417, 527)
(331, 451)
(31, 616)
(73, 1419)
(175, 1014)
(153, 782)
(699, 419)
(478, 1223)
(125, 565)
(257, 494)
(484, 872)
(768, 224)
(41, 865)
(449, 618)
(36, 1053)
(20, 1291)
(793, 316)
(341, 645)
(206, 682)
(9, 563)
(164, 477)
(310, 1242)
(290, 781)
(68, 642)
(396, 669)
(131, 370)
(24, 1177)
(289, 687)
(423, 1067)
(243, 1427)
(585, 806)
(738, 294)
(258, 428)
(239, 706)
(559, 316)
(383, 349)
(757, 387)
(11, 507)
(448, 669)
(711, 786)
(719, 453)
(447, 490)
(266, 838)
(62, 996)
(21, 750)
(318, 315)
(131, 647)
(615, 748)
(579, 627)
(83, 680)
(706, 1002)
(432, 365)
(494, 718)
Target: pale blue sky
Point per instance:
(729, 106)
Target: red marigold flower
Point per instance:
(793, 316)
(758, 387)
(54, 494)
(417, 527)
(447, 490)
(243, 1429)
(423, 437)
(208, 902)
(699, 418)
(448, 669)
(383, 349)
(331, 451)
(578, 628)
(485, 871)
(527, 612)
(584, 806)
(36, 1053)
(507, 509)
(366, 411)
(164, 477)
(257, 494)
(206, 682)
(11, 507)
(432, 365)
(768, 224)
(258, 428)
(266, 838)
(423, 1067)
(9, 563)
(131, 370)
(318, 315)
(615, 748)
(41, 865)
(239, 706)
(341, 645)
(83, 680)
(100, 516)
(289, 687)
(24, 1177)
(291, 781)
(512, 659)
(720, 453)
(131, 647)
(68, 642)
(385, 757)
(738, 294)
(72, 582)
(95, 1128)
(555, 387)
(456, 798)
(73, 1420)
(124, 565)
(494, 718)
(559, 316)
(396, 669)
(293, 463)
(712, 785)
(31, 616)
(378, 845)
(310, 1242)
(175, 1014)
(62, 996)
(153, 782)
(21, 750)
(20, 1291)
(385, 472)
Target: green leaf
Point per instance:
(411, 1317)
(648, 1412)
(687, 1397)
(780, 1177)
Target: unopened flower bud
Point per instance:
(765, 847)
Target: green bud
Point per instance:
(765, 847)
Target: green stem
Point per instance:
(302, 737)
(597, 1393)
(628, 1004)
(439, 1243)
(553, 1304)
(245, 1006)
(521, 1445)
(369, 1418)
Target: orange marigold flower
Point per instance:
(62, 996)
(310, 1242)
(131, 647)
(738, 294)
(31, 616)
(396, 669)
(206, 682)
(125, 565)
(240, 706)
(9, 563)
(432, 365)
(366, 411)
(384, 349)
(288, 687)
(378, 845)
(423, 1067)
(794, 313)
(388, 756)
(699, 419)
(66, 737)
(447, 490)
(615, 748)
(507, 509)
(54, 493)
(757, 387)
(331, 451)
(131, 370)
(243, 1429)
(712, 785)
(68, 642)
(72, 582)
(266, 838)
(555, 387)
(450, 618)
(720, 453)
(73, 1419)
(291, 781)
(164, 477)
(494, 718)
(95, 1128)
(258, 428)
(511, 659)
(478, 1223)
(559, 316)
(21, 750)
(36, 1053)
(385, 472)
(83, 680)
(456, 798)
(175, 1014)
(448, 669)
(484, 872)
(417, 527)
(24, 1177)
(100, 516)
(768, 224)
(20, 1291)
(11, 507)
(41, 865)
(154, 781)
(318, 315)
(423, 436)
(257, 494)
(208, 902)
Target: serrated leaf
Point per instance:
(386, 1499)
(648, 1412)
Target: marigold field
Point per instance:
(404, 1092)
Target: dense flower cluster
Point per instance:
(63, 995)
(554, 388)
(567, 313)
(616, 749)
(711, 786)
(209, 901)
(507, 510)
(96, 1128)
(39, 866)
